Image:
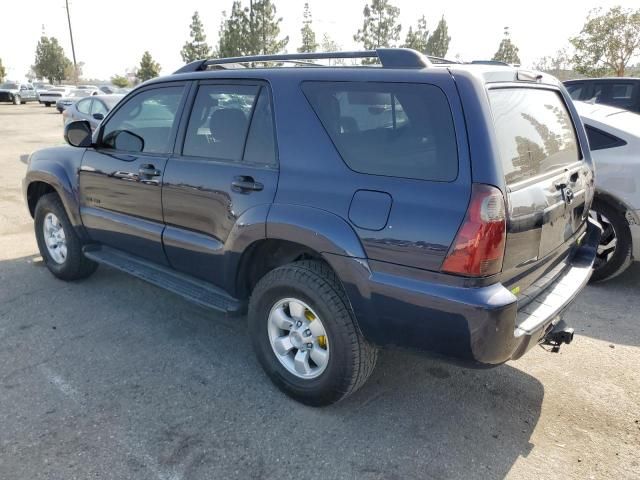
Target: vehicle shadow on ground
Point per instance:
(139, 366)
(592, 314)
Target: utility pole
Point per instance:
(73, 48)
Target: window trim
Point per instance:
(172, 135)
(414, 83)
(186, 116)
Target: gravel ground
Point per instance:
(112, 378)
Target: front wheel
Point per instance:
(306, 336)
(614, 251)
(58, 242)
(16, 99)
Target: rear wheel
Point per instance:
(58, 242)
(614, 250)
(305, 334)
(47, 104)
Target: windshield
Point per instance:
(9, 86)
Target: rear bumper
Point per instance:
(484, 325)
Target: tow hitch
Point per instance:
(558, 335)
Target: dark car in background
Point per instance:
(621, 92)
(92, 109)
(17, 92)
(437, 207)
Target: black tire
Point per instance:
(75, 266)
(16, 99)
(47, 104)
(615, 225)
(352, 359)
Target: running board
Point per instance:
(191, 288)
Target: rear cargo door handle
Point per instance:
(244, 184)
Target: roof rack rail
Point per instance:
(389, 58)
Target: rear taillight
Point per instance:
(478, 249)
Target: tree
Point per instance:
(438, 43)
(418, 40)
(120, 81)
(607, 42)
(558, 65)
(264, 29)
(507, 51)
(51, 62)
(233, 32)
(251, 31)
(309, 43)
(73, 74)
(3, 72)
(380, 27)
(197, 48)
(328, 44)
(148, 69)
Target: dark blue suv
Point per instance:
(437, 207)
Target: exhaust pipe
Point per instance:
(559, 334)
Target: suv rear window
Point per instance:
(534, 131)
(390, 129)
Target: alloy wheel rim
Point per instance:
(608, 240)
(298, 338)
(54, 238)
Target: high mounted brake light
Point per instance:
(478, 249)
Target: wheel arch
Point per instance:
(615, 202)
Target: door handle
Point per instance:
(244, 184)
(149, 171)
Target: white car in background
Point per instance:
(51, 96)
(614, 140)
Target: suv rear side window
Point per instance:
(534, 131)
(391, 129)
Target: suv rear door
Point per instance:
(225, 164)
(547, 181)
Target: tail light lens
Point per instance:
(478, 249)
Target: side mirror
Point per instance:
(98, 116)
(78, 133)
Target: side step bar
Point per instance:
(192, 289)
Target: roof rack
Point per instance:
(389, 58)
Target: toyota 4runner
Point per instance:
(434, 206)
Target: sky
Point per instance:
(111, 36)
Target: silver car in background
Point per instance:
(73, 96)
(614, 141)
(92, 109)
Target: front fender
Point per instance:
(57, 167)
